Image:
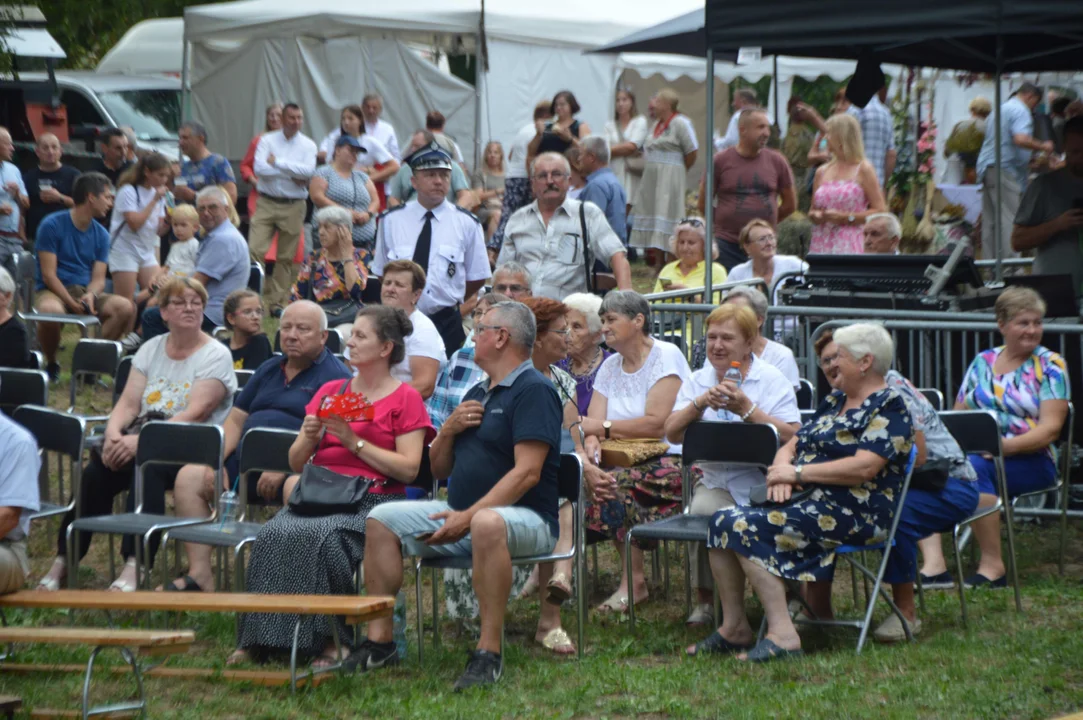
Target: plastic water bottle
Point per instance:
(399, 632)
(733, 373)
(229, 507)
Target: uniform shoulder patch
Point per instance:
(472, 216)
(387, 212)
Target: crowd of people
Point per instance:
(482, 347)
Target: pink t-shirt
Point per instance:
(401, 412)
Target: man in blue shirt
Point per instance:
(73, 251)
(275, 397)
(1017, 143)
(202, 168)
(18, 498)
(500, 448)
(603, 188)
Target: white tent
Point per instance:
(301, 51)
(149, 47)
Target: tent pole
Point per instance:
(708, 187)
(774, 82)
(186, 92)
(997, 229)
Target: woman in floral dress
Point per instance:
(844, 192)
(847, 465)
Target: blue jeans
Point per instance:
(923, 514)
(153, 325)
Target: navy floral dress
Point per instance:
(798, 540)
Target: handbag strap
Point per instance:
(587, 264)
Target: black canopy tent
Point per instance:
(994, 36)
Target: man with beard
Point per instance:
(748, 180)
(556, 238)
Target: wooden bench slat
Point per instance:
(96, 636)
(48, 713)
(266, 678)
(357, 609)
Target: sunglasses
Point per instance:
(693, 221)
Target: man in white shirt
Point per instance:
(18, 499)
(446, 241)
(403, 283)
(284, 163)
(372, 106)
(547, 236)
(882, 234)
(741, 99)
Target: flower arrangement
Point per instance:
(926, 154)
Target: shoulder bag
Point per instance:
(631, 452)
(634, 164)
(596, 281)
(324, 492)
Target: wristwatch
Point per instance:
(607, 426)
(851, 219)
(797, 474)
(357, 447)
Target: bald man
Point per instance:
(13, 202)
(49, 184)
(275, 397)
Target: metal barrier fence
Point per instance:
(719, 289)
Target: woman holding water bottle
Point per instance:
(734, 386)
(139, 221)
(381, 437)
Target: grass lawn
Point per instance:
(1006, 665)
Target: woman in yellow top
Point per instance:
(689, 244)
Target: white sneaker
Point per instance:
(891, 630)
(131, 342)
(701, 615)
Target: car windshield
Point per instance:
(153, 114)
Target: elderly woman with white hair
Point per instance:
(771, 352)
(835, 482)
(689, 245)
(585, 351)
(14, 349)
(334, 276)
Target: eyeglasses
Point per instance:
(764, 239)
(693, 221)
(554, 175)
(208, 208)
(508, 289)
(563, 332)
(178, 303)
(480, 328)
(828, 360)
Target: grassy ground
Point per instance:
(1005, 666)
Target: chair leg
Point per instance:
(628, 569)
(594, 557)
(420, 613)
(959, 571)
(656, 578)
(436, 578)
(112, 560)
(1065, 496)
(688, 580)
(1013, 570)
(853, 584)
(665, 569)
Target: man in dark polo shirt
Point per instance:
(500, 448)
(275, 397)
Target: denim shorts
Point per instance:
(528, 533)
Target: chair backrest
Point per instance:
(265, 450)
(334, 342)
(93, 357)
(180, 443)
(22, 387)
(570, 477)
(806, 395)
(342, 359)
(934, 396)
(124, 369)
(54, 431)
(255, 278)
(735, 443)
(976, 431)
(806, 416)
(243, 376)
(25, 269)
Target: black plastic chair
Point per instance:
(806, 395)
(935, 398)
(93, 357)
(22, 387)
(160, 443)
(570, 487)
(243, 376)
(977, 431)
(733, 443)
(25, 271)
(260, 450)
(255, 278)
(61, 434)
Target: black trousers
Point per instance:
(100, 486)
(449, 323)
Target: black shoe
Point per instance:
(276, 312)
(977, 580)
(483, 668)
(372, 656)
(53, 370)
(943, 581)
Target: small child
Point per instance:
(182, 253)
(243, 314)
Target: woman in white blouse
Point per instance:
(374, 159)
(633, 396)
(626, 134)
(760, 243)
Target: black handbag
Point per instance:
(339, 312)
(931, 477)
(325, 492)
(757, 496)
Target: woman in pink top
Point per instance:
(844, 192)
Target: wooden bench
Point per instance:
(144, 642)
(356, 609)
(9, 704)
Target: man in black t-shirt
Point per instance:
(49, 184)
(501, 450)
(114, 161)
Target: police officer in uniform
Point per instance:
(445, 240)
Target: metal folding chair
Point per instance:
(1061, 488)
(934, 396)
(850, 553)
(570, 481)
(62, 435)
(22, 387)
(977, 431)
(733, 443)
(160, 443)
(806, 395)
(260, 450)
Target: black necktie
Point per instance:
(424, 243)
